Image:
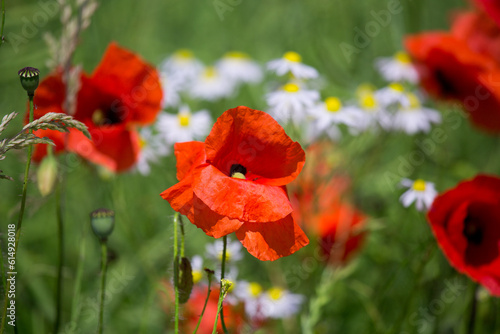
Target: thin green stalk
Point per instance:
(21, 213)
(104, 263)
(206, 302)
(181, 223)
(76, 304)
(473, 311)
(219, 310)
(60, 239)
(3, 21)
(223, 267)
(176, 274)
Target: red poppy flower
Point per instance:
(122, 92)
(235, 182)
(449, 69)
(466, 223)
(491, 8)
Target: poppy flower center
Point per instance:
(402, 57)
(447, 86)
(472, 232)
(255, 289)
(238, 171)
(293, 57)
(291, 88)
(333, 104)
(105, 117)
(419, 185)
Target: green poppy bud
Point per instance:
(102, 222)
(29, 79)
(47, 175)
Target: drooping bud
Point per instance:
(47, 174)
(29, 79)
(102, 222)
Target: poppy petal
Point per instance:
(41, 149)
(240, 199)
(188, 155)
(180, 197)
(270, 241)
(253, 139)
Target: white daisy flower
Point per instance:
(239, 67)
(291, 103)
(185, 126)
(420, 191)
(393, 94)
(415, 118)
(152, 148)
(250, 293)
(171, 90)
(278, 303)
(397, 68)
(291, 62)
(182, 67)
(197, 268)
(233, 250)
(211, 85)
(368, 111)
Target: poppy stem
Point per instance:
(206, 302)
(181, 223)
(21, 214)
(60, 237)
(176, 273)
(473, 310)
(223, 267)
(104, 262)
(3, 21)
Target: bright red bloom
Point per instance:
(449, 69)
(491, 8)
(122, 92)
(466, 223)
(235, 182)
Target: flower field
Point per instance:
(236, 166)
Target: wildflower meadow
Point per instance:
(237, 166)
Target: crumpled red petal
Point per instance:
(255, 140)
(180, 197)
(273, 240)
(240, 199)
(189, 155)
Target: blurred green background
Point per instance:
(385, 285)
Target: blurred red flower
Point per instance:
(449, 69)
(235, 182)
(466, 223)
(123, 92)
(491, 8)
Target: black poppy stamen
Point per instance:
(238, 171)
(472, 232)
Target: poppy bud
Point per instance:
(29, 79)
(47, 175)
(102, 222)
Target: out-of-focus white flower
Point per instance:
(239, 67)
(415, 118)
(397, 68)
(197, 268)
(182, 67)
(421, 192)
(393, 94)
(152, 148)
(251, 293)
(291, 62)
(368, 111)
(184, 126)
(233, 250)
(278, 303)
(171, 89)
(291, 103)
(210, 85)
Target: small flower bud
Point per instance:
(102, 222)
(225, 286)
(47, 175)
(29, 79)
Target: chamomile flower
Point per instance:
(152, 148)
(251, 294)
(182, 66)
(291, 62)
(184, 126)
(393, 94)
(368, 111)
(397, 68)
(278, 303)
(210, 85)
(291, 103)
(421, 192)
(415, 118)
(239, 67)
(233, 250)
(197, 268)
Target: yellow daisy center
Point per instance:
(291, 88)
(365, 89)
(210, 72)
(197, 276)
(184, 119)
(184, 54)
(402, 57)
(333, 104)
(275, 293)
(414, 101)
(397, 87)
(228, 254)
(237, 54)
(293, 57)
(142, 142)
(255, 289)
(368, 101)
(419, 185)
